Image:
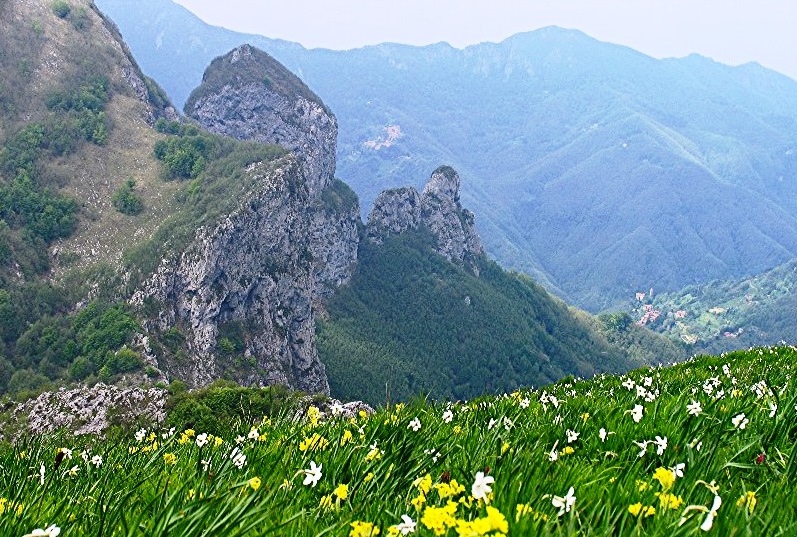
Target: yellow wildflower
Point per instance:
(313, 414)
(254, 483)
(450, 489)
(170, 458)
(637, 508)
(665, 477)
(505, 448)
(497, 520)
(568, 450)
(523, 509)
(369, 476)
(316, 442)
(363, 529)
(341, 491)
(439, 519)
(418, 501)
(326, 502)
(747, 500)
(217, 441)
(669, 501)
(642, 486)
(363, 415)
(457, 429)
(189, 432)
(346, 438)
(424, 484)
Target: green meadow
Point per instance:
(703, 447)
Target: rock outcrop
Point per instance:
(244, 293)
(248, 95)
(88, 410)
(438, 209)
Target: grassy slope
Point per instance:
(158, 484)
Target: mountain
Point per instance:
(594, 168)
(393, 318)
(138, 249)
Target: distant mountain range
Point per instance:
(594, 168)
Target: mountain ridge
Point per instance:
(545, 117)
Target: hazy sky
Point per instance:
(729, 31)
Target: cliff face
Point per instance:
(244, 294)
(244, 288)
(248, 95)
(438, 208)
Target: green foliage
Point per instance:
(58, 346)
(339, 198)
(209, 196)
(40, 212)
(225, 405)
(61, 9)
(411, 322)
(127, 200)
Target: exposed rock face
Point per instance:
(260, 272)
(248, 95)
(253, 272)
(438, 209)
(87, 410)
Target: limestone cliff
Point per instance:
(437, 208)
(244, 293)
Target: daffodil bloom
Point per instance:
(415, 425)
(636, 413)
(254, 483)
(312, 475)
(566, 503)
(406, 526)
(709, 520)
(740, 421)
(169, 458)
(481, 486)
(50, 531)
(661, 445)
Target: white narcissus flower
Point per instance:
(740, 421)
(636, 413)
(49, 531)
(661, 445)
(678, 470)
(564, 504)
(96, 460)
(415, 425)
(448, 416)
(709, 521)
(481, 486)
(407, 525)
(312, 475)
(140, 435)
(572, 436)
(201, 439)
(694, 408)
(602, 434)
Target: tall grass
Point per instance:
(716, 427)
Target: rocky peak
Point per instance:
(249, 95)
(437, 208)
